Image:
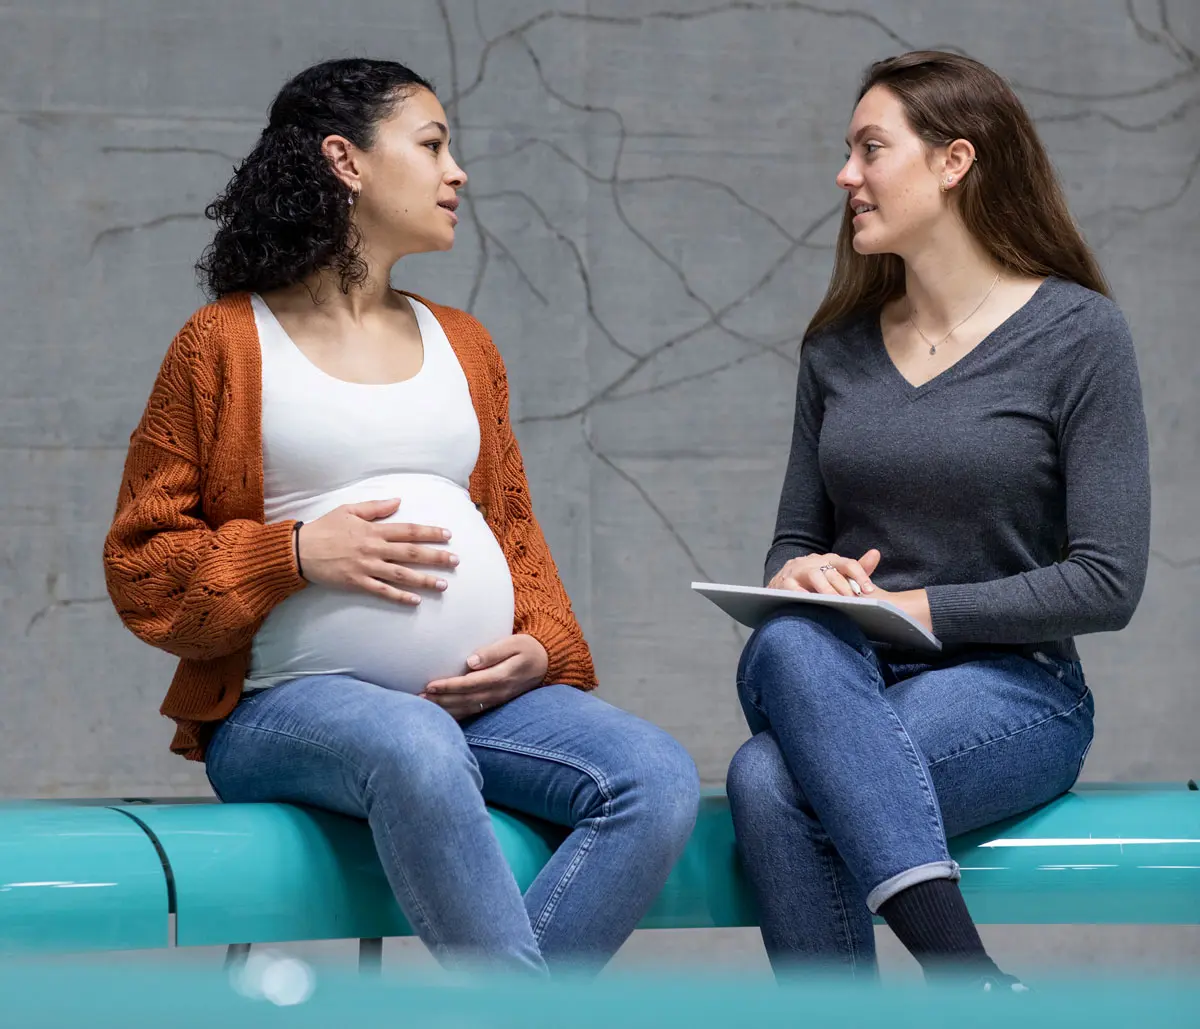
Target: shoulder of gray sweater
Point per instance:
(835, 342)
(1092, 330)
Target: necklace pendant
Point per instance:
(932, 349)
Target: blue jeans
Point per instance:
(859, 768)
(627, 791)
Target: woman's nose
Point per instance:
(848, 178)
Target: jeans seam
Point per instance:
(551, 906)
(831, 872)
(369, 793)
(550, 755)
(429, 931)
(290, 736)
(1016, 732)
(910, 750)
(585, 845)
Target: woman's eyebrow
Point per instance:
(866, 130)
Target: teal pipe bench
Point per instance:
(260, 873)
(79, 878)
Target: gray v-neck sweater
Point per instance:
(1014, 487)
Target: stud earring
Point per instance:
(946, 185)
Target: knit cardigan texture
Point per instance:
(193, 569)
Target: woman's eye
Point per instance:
(870, 148)
(435, 145)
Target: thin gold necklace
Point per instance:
(933, 346)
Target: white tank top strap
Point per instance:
(439, 357)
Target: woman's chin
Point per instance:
(866, 243)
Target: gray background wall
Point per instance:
(648, 227)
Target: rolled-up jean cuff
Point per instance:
(887, 889)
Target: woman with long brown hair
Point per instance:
(969, 444)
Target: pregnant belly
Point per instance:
(320, 631)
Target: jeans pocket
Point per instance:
(1069, 673)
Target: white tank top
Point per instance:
(327, 442)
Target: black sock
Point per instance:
(932, 921)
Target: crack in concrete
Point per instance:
(614, 182)
(1158, 86)
(153, 223)
(1176, 114)
(649, 501)
(658, 512)
(615, 192)
(203, 150)
(611, 389)
(584, 276)
(633, 180)
(1136, 213)
(56, 605)
(1179, 564)
(1164, 37)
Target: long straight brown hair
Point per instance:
(1011, 201)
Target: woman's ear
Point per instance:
(343, 158)
(960, 156)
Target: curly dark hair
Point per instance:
(285, 214)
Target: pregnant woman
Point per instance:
(969, 444)
(325, 516)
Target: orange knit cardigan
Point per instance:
(192, 568)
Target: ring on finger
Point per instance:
(825, 568)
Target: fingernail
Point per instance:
(442, 584)
(416, 601)
(870, 587)
(445, 534)
(453, 560)
(473, 660)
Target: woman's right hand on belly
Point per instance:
(349, 548)
(828, 573)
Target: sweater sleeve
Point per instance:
(178, 583)
(542, 607)
(804, 524)
(1104, 460)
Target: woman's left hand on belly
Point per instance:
(499, 672)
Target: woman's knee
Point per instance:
(758, 778)
(661, 779)
(800, 654)
(791, 638)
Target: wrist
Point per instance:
(916, 604)
(540, 656)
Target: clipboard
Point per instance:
(880, 620)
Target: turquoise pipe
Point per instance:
(76, 879)
(266, 872)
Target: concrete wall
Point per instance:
(648, 227)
